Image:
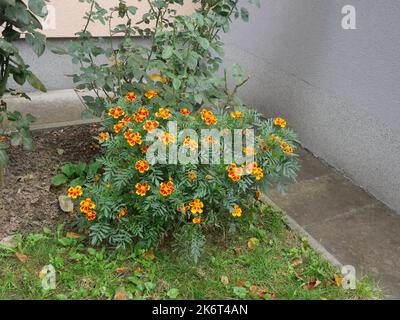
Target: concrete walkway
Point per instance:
(352, 225)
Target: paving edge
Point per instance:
(292, 224)
(63, 124)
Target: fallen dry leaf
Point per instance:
(149, 255)
(224, 279)
(253, 289)
(298, 276)
(73, 235)
(21, 257)
(201, 273)
(253, 243)
(138, 269)
(122, 270)
(237, 250)
(311, 285)
(338, 280)
(121, 295)
(296, 263)
(240, 283)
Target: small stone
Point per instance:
(60, 151)
(9, 242)
(66, 204)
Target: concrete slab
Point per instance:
(367, 239)
(321, 198)
(311, 167)
(51, 107)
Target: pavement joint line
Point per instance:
(315, 244)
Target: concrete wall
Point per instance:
(338, 88)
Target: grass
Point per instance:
(275, 264)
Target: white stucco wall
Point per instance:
(338, 88)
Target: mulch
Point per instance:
(28, 202)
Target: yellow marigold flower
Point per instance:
(259, 173)
(133, 138)
(280, 122)
(234, 172)
(158, 77)
(103, 136)
(208, 117)
(119, 126)
(196, 220)
(75, 192)
(116, 113)
(141, 189)
(163, 113)
(145, 148)
(142, 166)
(122, 213)
(150, 125)
(249, 151)
(151, 94)
(167, 138)
(196, 206)
(142, 114)
(91, 215)
(236, 114)
(87, 205)
(190, 143)
(192, 175)
(131, 96)
(286, 148)
(185, 112)
(166, 189)
(237, 211)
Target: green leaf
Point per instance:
(35, 82)
(38, 7)
(77, 182)
(16, 140)
(68, 169)
(244, 14)
(3, 157)
(167, 52)
(59, 180)
(27, 142)
(204, 43)
(176, 83)
(173, 293)
(240, 292)
(132, 10)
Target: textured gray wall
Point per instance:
(338, 88)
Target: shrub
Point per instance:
(17, 19)
(156, 102)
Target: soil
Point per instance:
(28, 202)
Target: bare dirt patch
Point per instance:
(28, 201)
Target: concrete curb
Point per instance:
(317, 246)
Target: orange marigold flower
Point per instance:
(237, 211)
(145, 148)
(131, 96)
(116, 113)
(234, 172)
(103, 136)
(151, 94)
(74, 193)
(185, 112)
(190, 143)
(141, 189)
(251, 167)
(166, 189)
(196, 206)
(167, 138)
(87, 205)
(196, 220)
(163, 113)
(236, 114)
(150, 125)
(280, 122)
(142, 114)
(208, 117)
(142, 166)
(258, 195)
(122, 213)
